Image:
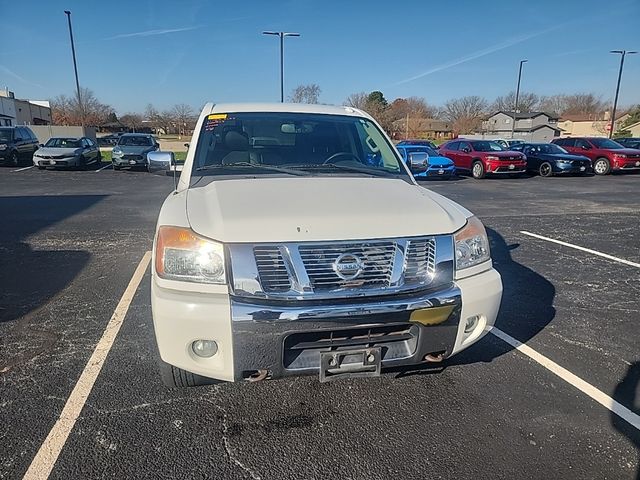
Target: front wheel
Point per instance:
(15, 160)
(545, 170)
(477, 170)
(175, 377)
(601, 166)
(99, 160)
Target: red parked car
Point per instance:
(606, 155)
(483, 157)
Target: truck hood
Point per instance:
(294, 209)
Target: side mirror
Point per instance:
(585, 147)
(466, 149)
(186, 145)
(41, 145)
(418, 162)
(161, 162)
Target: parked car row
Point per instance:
(479, 158)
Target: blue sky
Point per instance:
(135, 52)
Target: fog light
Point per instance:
(204, 348)
(471, 323)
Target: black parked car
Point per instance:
(629, 142)
(17, 146)
(548, 159)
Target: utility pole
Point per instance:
(75, 67)
(515, 108)
(282, 35)
(623, 53)
(406, 136)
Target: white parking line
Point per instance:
(100, 169)
(578, 247)
(25, 168)
(47, 455)
(603, 399)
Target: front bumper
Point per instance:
(129, 162)
(286, 340)
(632, 164)
(570, 169)
(506, 167)
(56, 162)
(434, 172)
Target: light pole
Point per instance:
(623, 53)
(515, 107)
(75, 67)
(282, 35)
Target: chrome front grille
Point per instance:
(273, 272)
(420, 261)
(377, 260)
(317, 270)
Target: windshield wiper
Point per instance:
(347, 168)
(256, 166)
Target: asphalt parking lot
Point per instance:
(71, 241)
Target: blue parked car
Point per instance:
(424, 162)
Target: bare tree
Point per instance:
(305, 94)
(67, 111)
(465, 114)
(555, 104)
(527, 102)
(182, 116)
(357, 100)
(574, 104)
(584, 103)
(132, 121)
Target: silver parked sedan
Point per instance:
(67, 152)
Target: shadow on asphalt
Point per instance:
(30, 278)
(526, 309)
(627, 392)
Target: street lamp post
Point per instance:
(75, 67)
(623, 53)
(282, 35)
(515, 107)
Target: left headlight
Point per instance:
(472, 244)
(183, 255)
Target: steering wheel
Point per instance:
(341, 154)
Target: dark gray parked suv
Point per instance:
(132, 149)
(17, 146)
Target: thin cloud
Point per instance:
(152, 33)
(18, 77)
(479, 53)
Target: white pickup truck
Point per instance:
(297, 242)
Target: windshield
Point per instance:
(255, 143)
(63, 143)
(424, 149)
(5, 135)
(486, 146)
(548, 148)
(134, 141)
(605, 143)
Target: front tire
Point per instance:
(82, 163)
(545, 170)
(602, 166)
(477, 170)
(15, 161)
(175, 377)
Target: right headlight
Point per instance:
(183, 255)
(472, 244)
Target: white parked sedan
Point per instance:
(297, 242)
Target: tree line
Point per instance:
(463, 114)
(66, 110)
